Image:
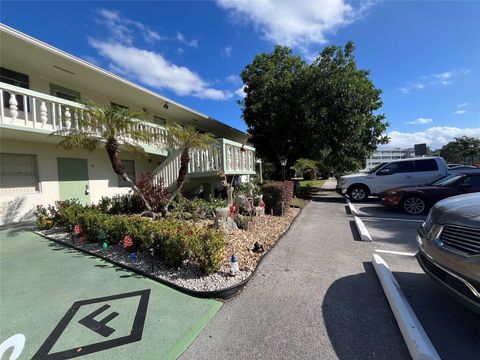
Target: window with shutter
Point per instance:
(18, 173)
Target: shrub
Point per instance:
(126, 204)
(275, 194)
(90, 222)
(208, 247)
(155, 192)
(171, 241)
(44, 218)
(196, 208)
(116, 227)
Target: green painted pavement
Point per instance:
(40, 280)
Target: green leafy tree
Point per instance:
(303, 165)
(463, 149)
(185, 139)
(111, 126)
(325, 111)
(272, 103)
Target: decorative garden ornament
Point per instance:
(105, 246)
(234, 270)
(133, 256)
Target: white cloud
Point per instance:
(227, 51)
(462, 105)
(234, 79)
(192, 43)
(420, 121)
(122, 28)
(460, 112)
(444, 78)
(179, 51)
(154, 70)
(241, 92)
(298, 24)
(435, 137)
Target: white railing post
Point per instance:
(25, 109)
(43, 114)
(34, 112)
(2, 112)
(68, 122)
(13, 105)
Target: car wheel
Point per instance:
(358, 193)
(414, 205)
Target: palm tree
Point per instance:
(110, 125)
(185, 139)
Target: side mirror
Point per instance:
(383, 172)
(465, 186)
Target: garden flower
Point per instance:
(77, 230)
(127, 242)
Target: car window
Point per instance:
(426, 165)
(473, 181)
(447, 180)
(398, 167)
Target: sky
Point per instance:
(424, 55)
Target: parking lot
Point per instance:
(453, 330)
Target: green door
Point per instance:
(73, 179)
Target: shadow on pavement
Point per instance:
(359, 321)
(353, 228)
(453, 329)
(17, 228)
(328, 198)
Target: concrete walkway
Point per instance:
(330, 184)
(315, 296)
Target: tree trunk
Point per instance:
(113, 151)
(182, 176)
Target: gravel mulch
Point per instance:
(265, 229)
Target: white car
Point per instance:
(389, 175)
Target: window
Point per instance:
(397, 167)
(14, 78)
(18, 173)
(473, 181)
(426, 165)
(115, 105)
(159, 120)
(129, 166)
(64, 93)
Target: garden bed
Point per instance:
(265, 230)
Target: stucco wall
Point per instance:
(102, 180)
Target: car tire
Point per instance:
(414, 205)
(358, 192)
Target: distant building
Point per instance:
(385, 155)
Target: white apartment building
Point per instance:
(385, 155)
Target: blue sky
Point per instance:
(424, 55)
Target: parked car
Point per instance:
(449, 247)
(416, 200)
(389, 175)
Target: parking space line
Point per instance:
(417, 340)
(391, 219)
(403, 253)
(362, 229)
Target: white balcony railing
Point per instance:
(35, 111)
(24, 108)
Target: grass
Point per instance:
(312, 183)
(300, 203)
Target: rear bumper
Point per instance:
(459, 287)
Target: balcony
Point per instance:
(40, 113)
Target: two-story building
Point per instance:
(41, 90)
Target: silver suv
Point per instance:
(449, 247)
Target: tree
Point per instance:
(324, 111)
(303, 165)
(463, 149)
(272, 103)
(110, 125)
(185, 139)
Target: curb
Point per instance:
(351, 207)
(417, 340)
(362, 229)
(217, 294)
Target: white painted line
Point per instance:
(395, 252)
(392, 219)
(352, 208)
(418, 343)
(362, 229)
